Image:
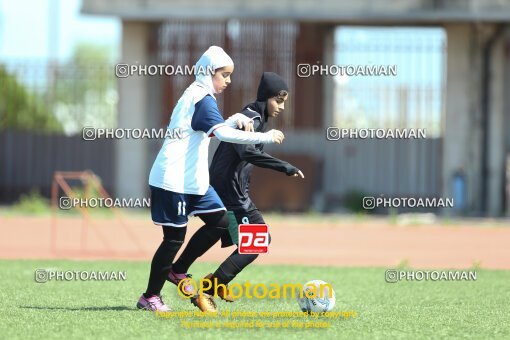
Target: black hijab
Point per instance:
(270, 86)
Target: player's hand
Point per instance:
(276, 136)
(246, 126)
(299, 173)
(241, 121)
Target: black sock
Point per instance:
(215, 225)
(162, 260)
(233, 265)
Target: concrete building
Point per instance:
(476, 102)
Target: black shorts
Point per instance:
(239, 217)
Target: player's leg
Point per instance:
(216, 224)
(236, 262)
(200, 242)
(166, 211)
(211, 211)
(172, 241)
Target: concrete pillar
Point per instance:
(461, 137)
(506, 124)
(462, 141)
(497, 131)
(131, 155)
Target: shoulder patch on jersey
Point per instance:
(250, 113)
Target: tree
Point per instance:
(85, 89)
(22, 109)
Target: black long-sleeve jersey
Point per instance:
(232, 165)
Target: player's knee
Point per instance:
(224, 221)
(218, 220)
(171, 245)
(174, 235)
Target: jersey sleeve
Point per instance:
(207, 116)
(251, 154)
(261, 159)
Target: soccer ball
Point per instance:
(316, 297)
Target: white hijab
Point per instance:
(214, 58)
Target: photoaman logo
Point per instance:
(250, 291)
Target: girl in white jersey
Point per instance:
(179, 178)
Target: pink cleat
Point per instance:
(154, 303)
(183, 282)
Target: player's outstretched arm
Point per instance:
(230, 135)
(261, 159)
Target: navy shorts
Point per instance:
(170, 208)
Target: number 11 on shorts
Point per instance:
(253, 238)
(181, 208)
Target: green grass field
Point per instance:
(94, 309)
